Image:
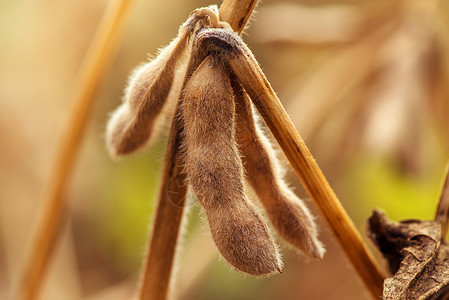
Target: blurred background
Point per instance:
(365, 82)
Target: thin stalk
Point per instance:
(53, 208)
(237, 13)
(156, 274)
(157, 271)
(259, 89)
(442, 213)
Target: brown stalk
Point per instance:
(158, 264)
(237, 13)
(51, 215)
(156, 275)
(264, 98)
(442, 214)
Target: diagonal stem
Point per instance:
(51, 214)
(155, 278)
(259, 89)
(237, 13)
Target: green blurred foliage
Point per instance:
(379, 184)
(124, 219)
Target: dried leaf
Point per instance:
(415, 253)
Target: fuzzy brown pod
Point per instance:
(287, 212)
(132, 124)
(416, 255)
(215, 139)
(215, 172)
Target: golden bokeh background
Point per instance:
(365, 82)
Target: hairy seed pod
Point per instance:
(287, 212)
(132, 124)
(215, 172)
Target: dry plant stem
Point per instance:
(269, 106)
(157, 268)
(157, 271)
(50, 217)
(442, 214)
(237, 13)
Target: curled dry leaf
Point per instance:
(416, 255)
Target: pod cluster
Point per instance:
(223, 147)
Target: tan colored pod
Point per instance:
(287, 212)
(215, 172)
(132, 124)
